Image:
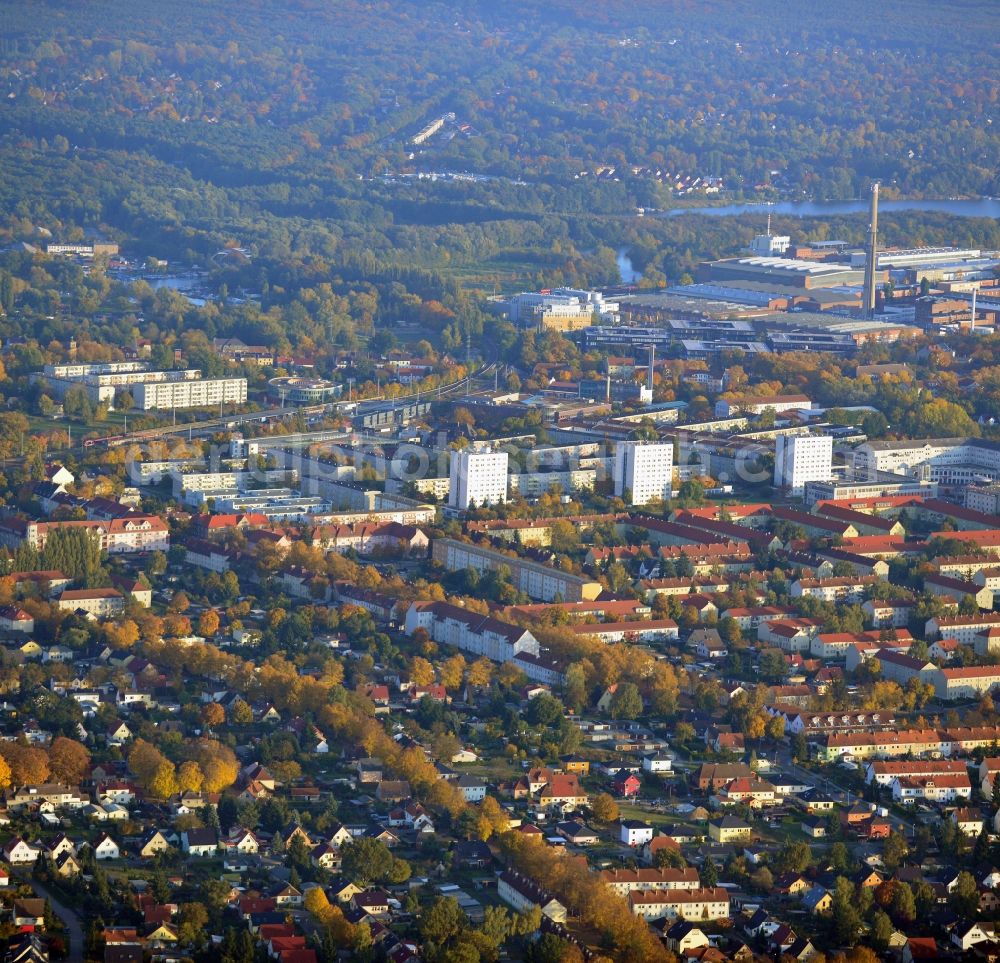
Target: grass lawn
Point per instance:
(787, 831)
(656, 819)
(495, 770)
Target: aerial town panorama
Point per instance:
(499, 482)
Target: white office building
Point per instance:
(949, 461)
(646, 469)
(477, 478)
(802, 458)
(770, 245)
(533, 307)
(190, 394)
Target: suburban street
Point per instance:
(74, 927)
(899, 824)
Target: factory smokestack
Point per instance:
(871, 258)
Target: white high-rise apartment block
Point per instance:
(477, 478)
(190, 394)
(802, 458)
(644, 468)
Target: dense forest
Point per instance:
(285, 129)
(238, 92)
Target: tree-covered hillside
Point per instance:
(286, 128)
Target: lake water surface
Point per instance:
(980, 207)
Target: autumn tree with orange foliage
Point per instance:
(208, 623)
(121, 635)
(586, 896)
(217, 763)
(144, 759)
(212, 715)
(29, 765)
(69, 760)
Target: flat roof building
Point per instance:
(796, 273)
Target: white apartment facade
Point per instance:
(947, 788)
(962, 628)
(695, 905)
(469, 631)
(966, 682)
(625, 881)
(477, 478)
(152, 396)
(523, 894)
(646, 469)
(985, 498)
(536, 483)
(541, 582)
(134, 533)
(799, 459)
(71, 371)
(883, 772)
(104, 387)
(836, 589)
(729, 408)
(97, 603)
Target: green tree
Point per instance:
(442, 921)
(626, 703)
(882, 930)
(773, 666)
(904, 905)
(667, 856)
(575, 688)
(874, 424)
(925, 897)
(399, 871)
(240, 713)
(964, 895)
(604, 808)
(840, 859)
(193, 918)
(77, 553)
(844, 917)
(894, 851)
(157, 564)
(729, 630)
(793, 857)
(544, 711)
(365, 861)
(6, 292)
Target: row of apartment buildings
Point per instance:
(538, 581)
(150, 390)
(916, 743)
